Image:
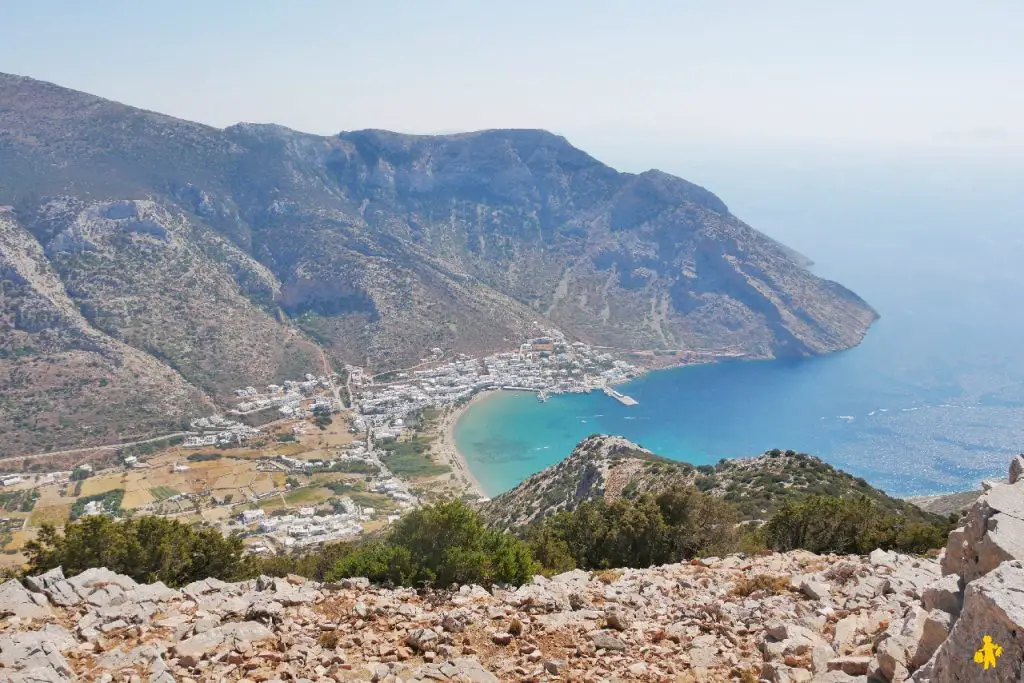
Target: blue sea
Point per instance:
(932, 400)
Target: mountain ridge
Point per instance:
(605, 467)
(231, 256)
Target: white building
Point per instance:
(250, 516)
(94, 507)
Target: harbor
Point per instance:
(620, 397)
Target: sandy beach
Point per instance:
(446, 451)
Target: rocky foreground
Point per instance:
(778, 617)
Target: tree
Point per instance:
(146, 548)
(322, 417)
(439, 545)
(824, 524)
(79, 474)
(549, 550)
(678, 524)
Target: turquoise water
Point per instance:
(932, 401)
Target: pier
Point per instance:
(620, 397)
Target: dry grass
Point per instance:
(328, 639)
(96, 485)
(748, 676)
(19, 539)
(56, 515)
(760, 583)
(608, 576)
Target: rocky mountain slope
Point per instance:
(205, 250)
(781, 618)
(610, 467)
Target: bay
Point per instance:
(931, 401)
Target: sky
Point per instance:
(633, 80)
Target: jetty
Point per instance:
(620, 397)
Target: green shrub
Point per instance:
(675, 525)
(824, 524)
(203, 457)
(439, 545)
(147, 549)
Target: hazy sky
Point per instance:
(900, 74)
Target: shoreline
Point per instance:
(445, 447)
(446, 450)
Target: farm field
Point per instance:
(165, 482)
(50, 514)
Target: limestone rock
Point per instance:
(993, 607)
(17, 601)
(195, 648)
(945, 594)
(815, 590)
(606, 641)
(850, 665)
(422, 639)
(618, 618)
(1016, 469)
(993, 532)
(679, 621)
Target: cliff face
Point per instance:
(207, 249)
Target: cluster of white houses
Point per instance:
(307, 527)
(546, 365)
(295, 398)
(218, 431)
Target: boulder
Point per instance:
(815, 590)
(993, 607)
(16, 601)
(606, 641)
(155, 592)
(1016, 469)
(41, 582)
(945, 593)
(422, 639)
(101, 577)
(618, 618)
(929, 636)
(993, 532)
(192, 650)
(891, 659)
(882, 558)
(838, 677)
(38, 652)
(850, 665)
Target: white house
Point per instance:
(250, 516)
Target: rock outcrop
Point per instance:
(784, 617)
(992, 533)
(982, 591)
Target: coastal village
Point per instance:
(296, 464)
